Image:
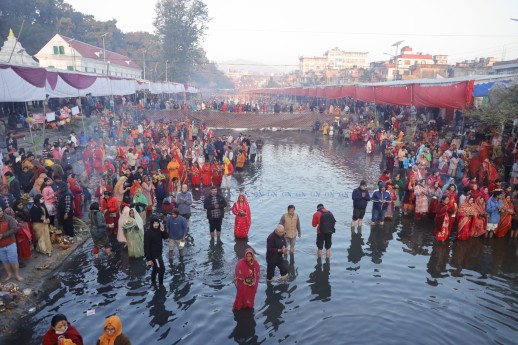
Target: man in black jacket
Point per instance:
(153, 246)
(276, 247)
(360, 197)
(66, 208)
(215, 205)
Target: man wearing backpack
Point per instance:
(325, 223)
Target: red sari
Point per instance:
(504, 225)
(217, 174)
(443, 218)
(465, 216)
(243, 220)
(77, 192)
(206, 173)
(246, 278)
(196, 175)
(479, 224)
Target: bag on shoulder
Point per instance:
(327, 222)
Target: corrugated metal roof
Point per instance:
(92, 52)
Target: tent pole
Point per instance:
(30, 123)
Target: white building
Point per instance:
(66, 53)
(334, 59)
(12, 52)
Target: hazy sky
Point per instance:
(277, 32)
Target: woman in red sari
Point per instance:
(246, 278)
(479, 224)
(183, 171)
(409, 198)
(467, 212)
(206, 174)
(217, 173)
(77, 192)
(243, 220)
(504, 225)
(443, 218)
(195, 175)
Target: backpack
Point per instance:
(327, 222)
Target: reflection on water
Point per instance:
(390, 283)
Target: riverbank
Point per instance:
(39, 269)
(36, 271)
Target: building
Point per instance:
(334, 59)
(12, 52)
(506, 67)
(69, 54)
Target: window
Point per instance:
(86, 69)
(56, 50)
(61, 50)
(70, 68)
(95, 70)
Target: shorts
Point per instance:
(9, 254)
(290, 241)
(324, 239)
(491, 226)
(215, 224)
(358, 213)
(172, 244)
(514, 224)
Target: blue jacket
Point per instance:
(359, 201)
(177, 228)
(492, 210)
(378, 196)
(408, 162)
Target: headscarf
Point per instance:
(226, 162)
(39, 182)
(245, 207)
(447, 185)
(115, 322)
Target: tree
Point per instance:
(502, 108)
(180, 26)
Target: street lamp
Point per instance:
(166, 62)
(104, 52)
(395, 58)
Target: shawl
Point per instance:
(242, 207)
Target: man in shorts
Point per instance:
(8, 249)
(324, 221)
(291, 222)
(215, 205)
(177, 229)
(360, 197)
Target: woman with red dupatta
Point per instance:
(243, 220)
(504, 225)
(443, 214)
(217, 173)
(479, 223)
(246, 278)
(183, 171)
(77, 192)
(465, 216)
(195, 175)
(206, 174)
(409, 198)
(98, 157)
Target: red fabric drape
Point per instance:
(400, 95)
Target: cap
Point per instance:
(363, 183)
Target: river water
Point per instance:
(390, 285)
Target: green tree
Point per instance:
(502, 108)
(180, 26)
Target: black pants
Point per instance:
(215, 224)
(68, 225)
(270, 268)
(158, 268)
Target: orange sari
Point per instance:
(504, 225)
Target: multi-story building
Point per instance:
(69, 54)
(334, 59)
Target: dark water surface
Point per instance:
(390, 285)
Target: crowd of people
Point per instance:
(143, 171)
